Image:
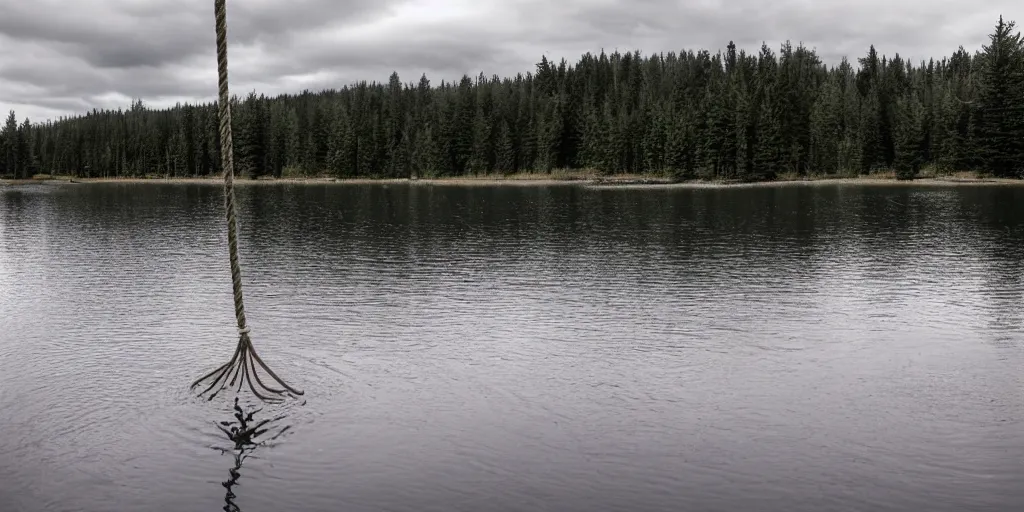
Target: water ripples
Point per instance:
(804, 348)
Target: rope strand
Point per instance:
(227, 159)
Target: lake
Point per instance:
(511, 348)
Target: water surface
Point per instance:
(796, 348)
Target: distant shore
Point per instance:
(539, 179)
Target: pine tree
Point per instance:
(679, 147)
(339, 157)
(551, 136)
(653, 148)
(1001, 126)
(480, 159)
(611, 149)
(870, 132)
(252, 137)
(426, 160)
(593, 140)
(769, 156)
(826, 129)
(24, 150)
(10, 149)
(718, 142)
(506, 155)
(461, 128)
(909, 136)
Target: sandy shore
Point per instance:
(858, 181)
(632, 182)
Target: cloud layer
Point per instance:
(59, 57)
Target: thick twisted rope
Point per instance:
(227, 159)
(243, 362)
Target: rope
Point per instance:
(227, 159)
(243, 362)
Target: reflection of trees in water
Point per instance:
(247, 434)
(994, 217)
(890, 238)
(1003, 283)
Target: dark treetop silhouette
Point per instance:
(692, 114)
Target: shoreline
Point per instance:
(610, 182)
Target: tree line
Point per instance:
(693, 114)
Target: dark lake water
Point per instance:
(791, 348)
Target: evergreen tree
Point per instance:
(340, 155)
(1001, 109)
(252, 137)
(653, 147)
(826, 128)
(426, 157)
(24, 153)
(909, 136)
(870, 131)
(481, 156)
(506, 154)
(10, 147)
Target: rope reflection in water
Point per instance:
(244, 432)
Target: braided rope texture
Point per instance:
(243, 362)
(227, 158)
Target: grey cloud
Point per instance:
(63, 104)
(70, 56)
(60, 78)
(42, 74)
(836, 29)
(434, 54)
(270, 19)
(101, 37)
(119, 34)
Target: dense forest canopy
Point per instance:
(728, 115)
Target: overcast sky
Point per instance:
(64, 56)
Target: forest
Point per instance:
(689, 115)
